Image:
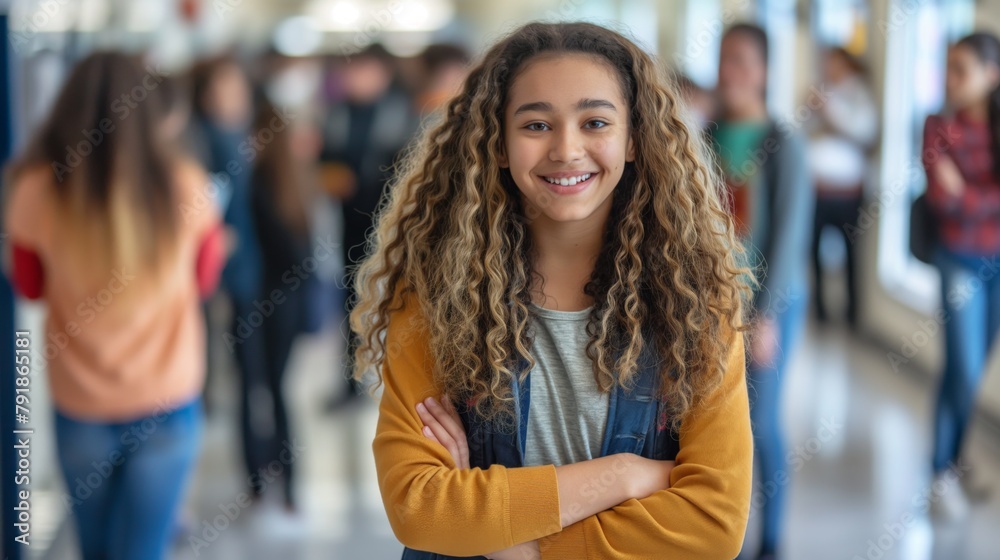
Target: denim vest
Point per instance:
(637, 423)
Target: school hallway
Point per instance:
(860, 432)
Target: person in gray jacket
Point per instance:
(771, 201)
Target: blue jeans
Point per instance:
(970, 293)
(765, 406)
(124, 481)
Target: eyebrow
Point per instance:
(582, 105)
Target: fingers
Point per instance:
(439, 433)
(430, 434)
(460, 437)
(443, 424)
(453, 425)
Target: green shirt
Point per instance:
(736, 142)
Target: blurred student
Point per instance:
(362, 136)
(846, 128)
(700, 102)
(220, 126)
(771, 202)
(119, 237)
(444, 68)
(221, 130)
(961, 155)
(279, 209)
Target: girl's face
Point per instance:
(567, 136)
(229, 96)
(742, 73)
(837, 69)
(970, 80)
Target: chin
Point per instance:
(569, 214)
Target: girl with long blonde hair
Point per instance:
(117, 233)
(554, 308)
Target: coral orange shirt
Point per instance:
(434, 507)
(119, 349)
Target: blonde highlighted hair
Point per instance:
(453, 232)
(111, 171)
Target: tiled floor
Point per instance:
(862, 430)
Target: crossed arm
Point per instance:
(566, 512)
(640, 476)
(947, 189)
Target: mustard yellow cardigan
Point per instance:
(433, 506)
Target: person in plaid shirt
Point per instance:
(961, 184)
(960, 155)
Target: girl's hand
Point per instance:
(443, 425)
(949, 176)
(523, 551)
(764, 347)
(230, 240)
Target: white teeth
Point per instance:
(569, 181)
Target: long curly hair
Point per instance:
(453, 232)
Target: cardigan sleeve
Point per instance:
(431, 505)
(704, 512)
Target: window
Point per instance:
(697, 54)
(777, 17)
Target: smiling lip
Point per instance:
(571, 178)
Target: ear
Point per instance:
(502, 157)
(630, 150)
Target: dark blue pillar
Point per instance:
(12, 550)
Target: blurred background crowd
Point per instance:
(879, 438)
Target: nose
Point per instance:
(567, 145)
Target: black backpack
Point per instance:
(923, 230)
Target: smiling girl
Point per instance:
(556, 261)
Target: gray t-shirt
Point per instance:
(568, 413)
